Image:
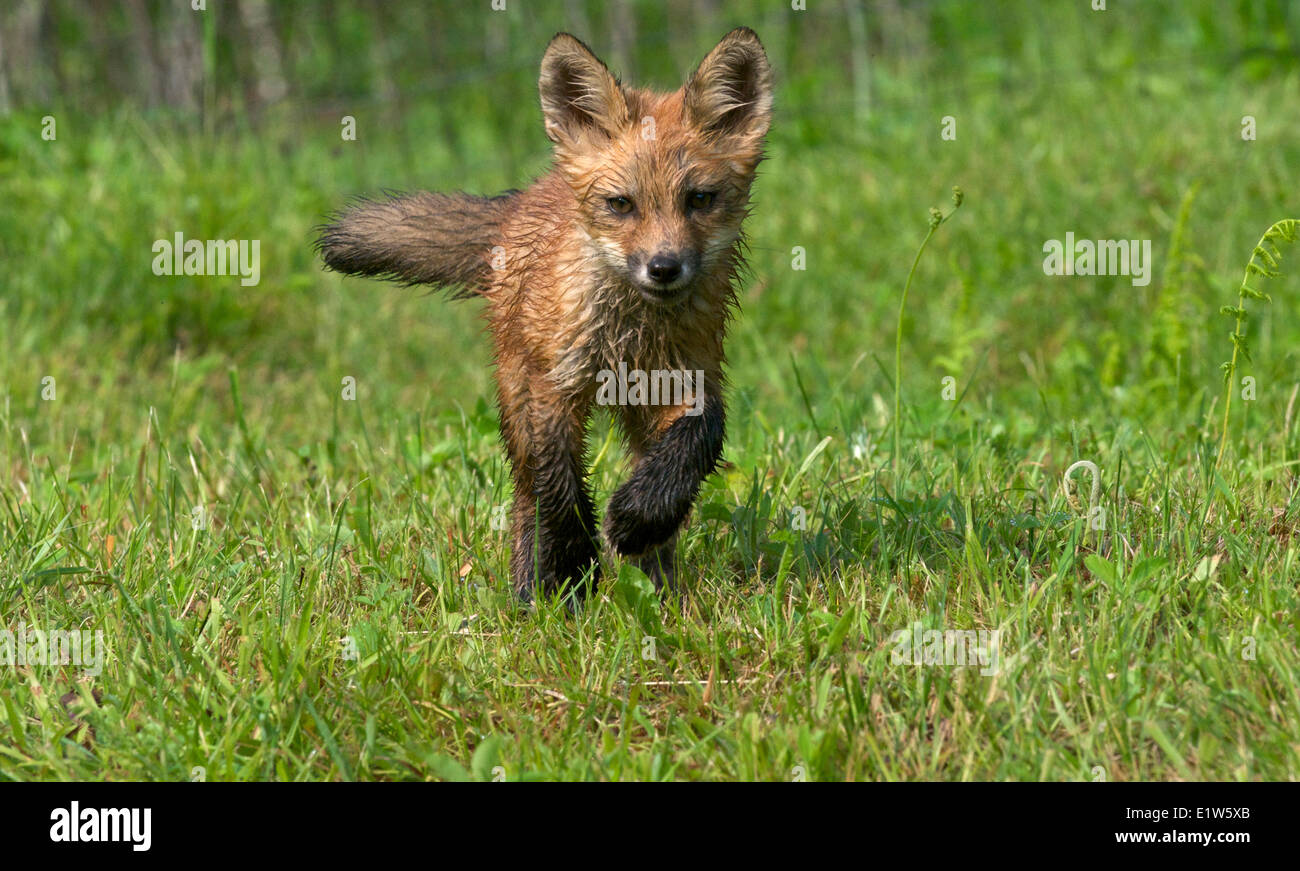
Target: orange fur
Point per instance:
(625, 252)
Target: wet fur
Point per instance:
(421, 238)
(554, 264)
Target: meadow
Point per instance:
(302, 577)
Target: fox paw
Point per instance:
(633, 525)
(660, 564)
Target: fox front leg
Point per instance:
(554, 524)
(553, 521)
(645, 513)
(660, 564)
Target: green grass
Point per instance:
(1162, 646)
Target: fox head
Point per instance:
(661, 181)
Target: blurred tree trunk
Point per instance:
(5, 107)
(116, 79)
(381, 55)
(686, 20)
(268, 57)
(182, 56)
(147, 71)
(50, 50)
(28, 75)
(622, 37)
(496, 37)
(575, 14)
(860, 60)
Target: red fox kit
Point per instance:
(620, 259)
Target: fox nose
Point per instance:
(664, 269)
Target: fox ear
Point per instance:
(730, 93)
(580, 98)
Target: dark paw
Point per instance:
(634, 523)
(660, 565)
(571, 569)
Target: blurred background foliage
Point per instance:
(178, 394)
(225, 123)
(237, 57)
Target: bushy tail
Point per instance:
(421, 238)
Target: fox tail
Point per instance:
(421, 238)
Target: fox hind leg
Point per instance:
(554, 519)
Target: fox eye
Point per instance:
(700, 199)
(622, 205)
